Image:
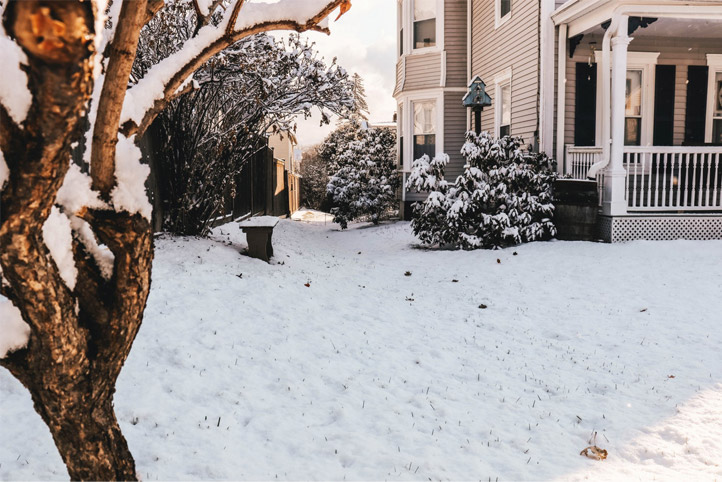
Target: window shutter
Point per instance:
(585, 105)
(694, 121)
(664, 105)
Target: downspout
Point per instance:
(606, 96)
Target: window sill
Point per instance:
(500, 22)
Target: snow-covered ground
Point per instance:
(358, 355)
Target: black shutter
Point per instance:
(664, 105)
(694, 121)
(585, 106)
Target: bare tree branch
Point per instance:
(234, 17)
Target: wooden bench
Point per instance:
(259, 231)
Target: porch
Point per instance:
(639, 109)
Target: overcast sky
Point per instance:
(363, 41)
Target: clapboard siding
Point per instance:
(455, 42)
(680, 52)
(514, 44)
(454, 133)
(399, 76)
(423, 71)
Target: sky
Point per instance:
(363, 41)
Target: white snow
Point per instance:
(14, 332)
(76, 192)
(14, 92)
(104, 258)
(129, 193)
(259, 222)
(58, 237)
(241, 371)
(4, 171)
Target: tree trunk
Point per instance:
(80, 336)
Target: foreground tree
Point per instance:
(82, 296)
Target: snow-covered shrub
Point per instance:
(504, 196)
(364, 179)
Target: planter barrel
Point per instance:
(576, 205)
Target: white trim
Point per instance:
(442, 80)
(469, 12)
(714, 62)
(501, 78)
(546, 78)
(498, 19)
(561, 95)
(585, 14)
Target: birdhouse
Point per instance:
(477, 96)
(477, 99)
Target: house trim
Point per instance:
(546, 78)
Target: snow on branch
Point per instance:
(144, 100)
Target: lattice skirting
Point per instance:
(628, 228)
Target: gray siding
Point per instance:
(454, 132)
(423, 71)
(672, 51)
(514, 44)
(455, 42)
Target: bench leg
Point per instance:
(259, 243)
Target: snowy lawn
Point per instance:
(334, 363)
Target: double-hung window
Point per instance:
(505, 107)
(633, 108)
(424, 23)
(424, 129)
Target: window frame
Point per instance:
(406, 22)
(714, 64)
(640, 117)
(501, 80)
(500, 20)
(646, 62)
(406, 102)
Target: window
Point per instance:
(424, 23)
(502, 103)
(400, 130)
(505, 108)
(717, 111)
(633, 109)
(424, 129)
(502, 12)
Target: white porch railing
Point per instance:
(673, 178)
(580, 159)
(661, 178)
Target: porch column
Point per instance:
(614, 176)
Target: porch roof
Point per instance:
(582, 15)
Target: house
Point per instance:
(626, 92)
